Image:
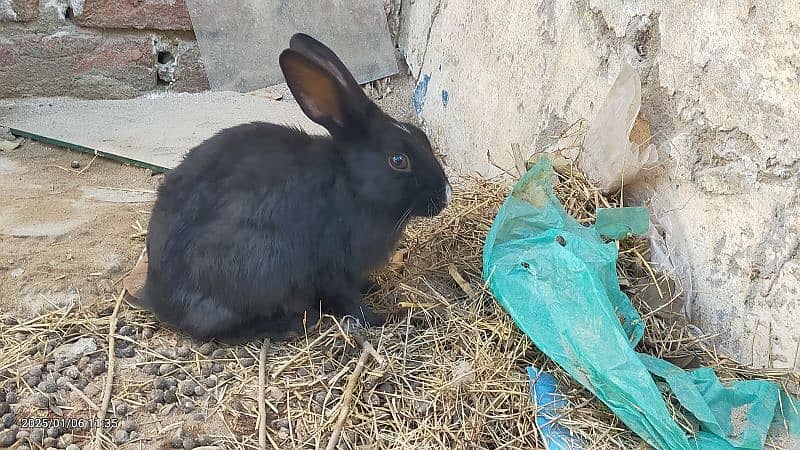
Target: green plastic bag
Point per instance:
(558, 281)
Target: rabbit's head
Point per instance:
(390, 165)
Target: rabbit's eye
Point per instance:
(399, 161)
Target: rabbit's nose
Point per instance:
(448, 194)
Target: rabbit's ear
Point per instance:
(316, 90)
(325, 57)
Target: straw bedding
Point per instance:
(448, 369)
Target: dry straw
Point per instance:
(449, 372)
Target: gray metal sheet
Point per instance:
(240, 40)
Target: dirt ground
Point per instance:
(67, 235)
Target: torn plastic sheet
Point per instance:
(557, 279)
(740, 414)
(619, 223)
(618, 144)
(551, 404)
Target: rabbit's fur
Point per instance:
(262, 227)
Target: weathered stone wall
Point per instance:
(721, 89)
(97, 48)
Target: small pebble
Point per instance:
(120, 437)
(73, 447)
(62, 381)
(247, 362)
(199, 391)
(147, 333)
(206, 371)
(75, 164)
(283, 434)
(121, 409)
(50, 442)
(211, 381)
(53, 432)
(11, 397)
(35, 371)
(8, 420)
(207, 348)
(83, 363)
(188, 405)
(25, 447)
(199, 417)
(160, 383)
(126, 330)
(180, 375)
(158, 396)
(151, 369)
(72, 372)
(37, 435)
(184, 351)
(303, 372)
(170, 396)
(32, 381)
(134, 435)
(386, 388)
(22, 434)
(125, 352)
(129, 425)
(242, 352)
(177, 442)
(220, 353)
(152, 406)
(187, 387)
(166, 352)
(166, 368)
(65, 440)
(98, 367)
(7, 438)
(218, 367)
(91, 390)
(189, 443)
(41, 401)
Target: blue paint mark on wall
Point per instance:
(420, 92)
(445, 97)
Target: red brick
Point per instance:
(20, 11)
(142, 14)
(88, 65)
(190, 74)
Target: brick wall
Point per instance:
(97, 48)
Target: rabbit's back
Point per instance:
(232, 222)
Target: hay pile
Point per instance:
(453, 372)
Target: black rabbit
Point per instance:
(262, 227)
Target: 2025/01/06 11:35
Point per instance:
(68, 422)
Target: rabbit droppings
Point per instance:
(262, 225)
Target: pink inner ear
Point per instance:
(319, 94)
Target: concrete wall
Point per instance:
(97, 48)
(721, 89)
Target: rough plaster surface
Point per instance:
(721, 89)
